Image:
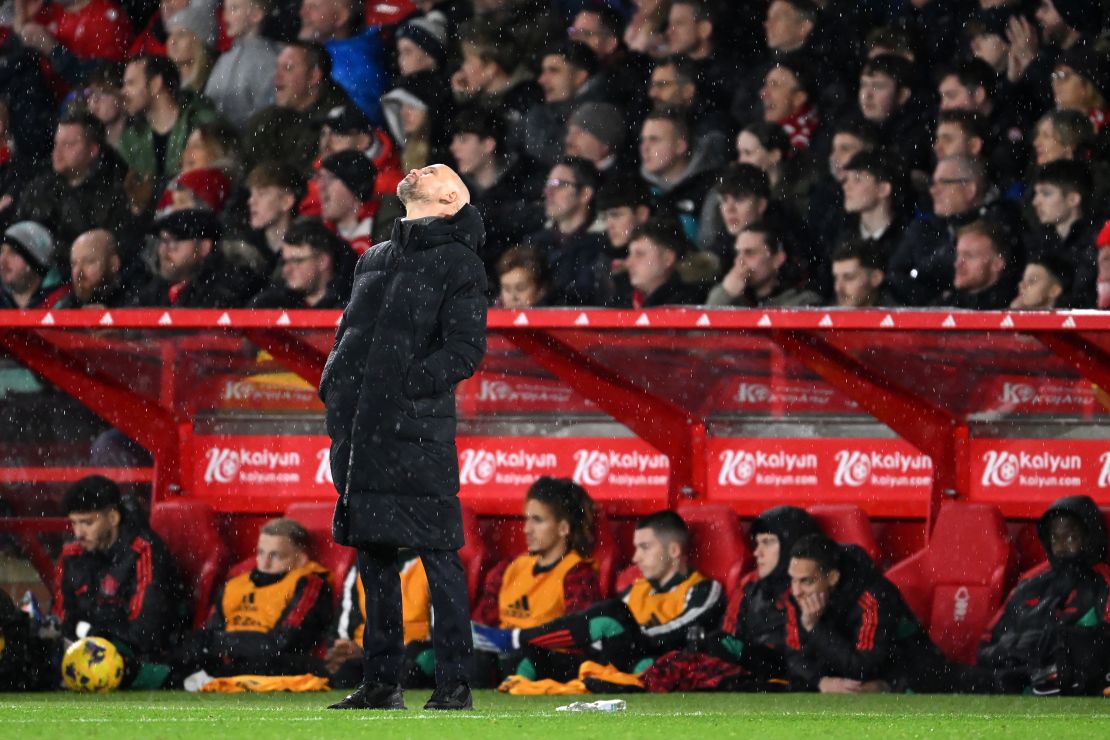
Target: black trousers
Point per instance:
(383, 649)
(606, 632)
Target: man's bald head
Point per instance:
(435, 190)
(94, 266)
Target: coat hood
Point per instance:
(789, 524)
(465, 227)
(857, 573)
(1087, 512)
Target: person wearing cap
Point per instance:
(316, 269)
(82, 190)
(347, 197)
(651, 269)
(568, 79)
(1046, 280)
(595, 131)
(116, 579)
(504, 186)
(1063, 204)
(422, 44)
(96, 274)
(288, 131)
(162, 117)
(192, 270)
(28, 276)
(241, 83)
(1079, 82)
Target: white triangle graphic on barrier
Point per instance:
(284, 320)
(703, 320)
(1008, 322)
(106, 320)
(643, 320)
(521, 320)
(224, 320)
(888, 321)
(48, 319)
(826, 320)
(582, 320)
(764, 321)
(1069, 323)
(949, 322)
(165, 319)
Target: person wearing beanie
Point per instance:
(190, 39)
(117, 580)
(422, 44)
(418, 112)
(347, 197)
(192, 269)
(207, 187)
(595, 131)
(28, 277)
(241, 83)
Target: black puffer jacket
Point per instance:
(415, 327)
(1073, 592)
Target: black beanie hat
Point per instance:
(353, 169)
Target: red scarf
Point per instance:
(800, 127)
(1097, 118)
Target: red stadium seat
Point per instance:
(956, 583)
(188, 527)
(316, 518)
(849, 524)
(718, 546)
(473, 555)
(606, 554)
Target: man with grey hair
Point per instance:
(415, 327)
(922, 267)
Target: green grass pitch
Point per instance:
(703, 716)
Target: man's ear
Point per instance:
(114, 517)
(778, 259)
(834, 577)
(875, 278)
(903, 95)
(114, 264)
(205, 247)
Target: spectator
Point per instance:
(623, 73)
(117, 580)
(743, 196)
(767, 146)
(504, 187)
(104, 100)
(848, 629)
(1062, 134)
(646, 30)
(1063, 27)
(191, 36)
(754, 636)
(826, 216)
(690, 32)
(275, 188)
(595, 131)
(356, 55)
(567, 80)
(162, 117)
(523, 279)
(574, 253)
(873, 191)
(887, 99)
(492, 79)
(1045, 282)
(241, 83)
(982, 256)
(960, 133)
(787, 96)
(1062, 196)
(1057, 618)
(651, 617)
(84, 188)
(422, 44)
(678, 180)
(303, 94)
(152, 39)
(28, 275)
(1079, 83)
(987, 38)
(96, 274)
(267, 620)
(556, 576)
(347, 202)
(624, 203)
(192, 270)
(673, 85)
(207, 187)
(858, 275)
(418, 113)
(317, 268)
(75, 36)
(756, 278)
(921, 267)
(654, 251)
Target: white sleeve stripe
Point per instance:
(349, 590)
(689, 616)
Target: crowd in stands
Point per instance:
(813, 615)
(622, 153)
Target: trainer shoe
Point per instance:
(373, 695)
(456, 696)
(491, 639)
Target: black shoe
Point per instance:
(456, 696)
(373, 696)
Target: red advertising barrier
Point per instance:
(1022, 474)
